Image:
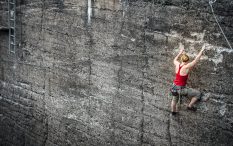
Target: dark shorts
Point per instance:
(188, 92)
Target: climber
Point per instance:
(179, 88)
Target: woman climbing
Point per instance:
(179, 88)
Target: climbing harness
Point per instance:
(211, 2)
(176, 92)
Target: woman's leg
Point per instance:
(195, 95)
(193, 101)
(173, 105)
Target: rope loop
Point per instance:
(212, 1)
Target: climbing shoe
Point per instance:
(192, 108)
(205, 97)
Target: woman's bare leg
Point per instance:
(192, 102)
(173, 106)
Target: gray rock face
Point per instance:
(98, 72)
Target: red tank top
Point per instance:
(180, 80)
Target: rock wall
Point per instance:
(98, 72)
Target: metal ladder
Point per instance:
(12, 25)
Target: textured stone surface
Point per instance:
(100, 75)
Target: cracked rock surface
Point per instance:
(98, 72)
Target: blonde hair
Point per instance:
(184, 58)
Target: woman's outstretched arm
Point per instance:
(181, 47)
(194, 62)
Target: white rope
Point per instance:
(211, 3)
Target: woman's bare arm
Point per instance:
(181, 47)
(194, 62)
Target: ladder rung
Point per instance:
(12, 51)
(11, 19)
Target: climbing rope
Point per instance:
(211, 2)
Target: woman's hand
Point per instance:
(203, 47)
(181, 47)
